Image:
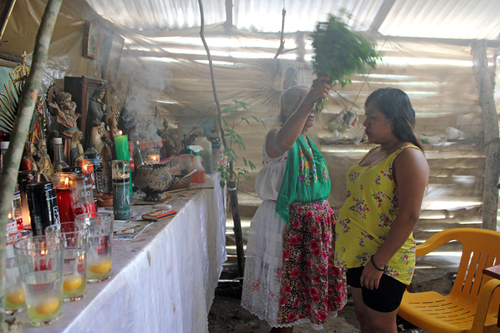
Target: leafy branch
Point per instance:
(339, 53)
(233, 139)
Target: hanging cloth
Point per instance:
(306, 177)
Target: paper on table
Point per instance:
(128, 230)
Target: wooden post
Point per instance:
(229, 15)
(235, 209)
(233, 195)
(20, 132)
(490, 130)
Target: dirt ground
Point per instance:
(226, 314)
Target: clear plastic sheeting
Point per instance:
(167, 72)
(164, 69)
(163, 280)
(438, 19)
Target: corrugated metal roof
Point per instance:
(456, 19)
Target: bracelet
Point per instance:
(378, 269)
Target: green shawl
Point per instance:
(306, 177)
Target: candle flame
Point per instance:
(66, 181)
(10, 215)
(120, 132)
(154, 158)
(43, 252)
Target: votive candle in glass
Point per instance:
(122, 151)
(120, 171)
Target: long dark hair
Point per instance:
(290, 101)
(396, 106)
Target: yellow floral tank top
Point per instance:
(366, 217)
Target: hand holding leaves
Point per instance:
(339, 53)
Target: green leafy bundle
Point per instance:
(339, 53)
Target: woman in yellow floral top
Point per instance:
(375, 225)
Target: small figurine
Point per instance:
(76, 152)
(96, 114)
(112, 123)
(38, 124)
(170, 144)
(28, 162)
(63, 108)
(43, 162)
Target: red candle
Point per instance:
(66, 213)
(86, 208)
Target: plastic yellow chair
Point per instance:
(472, 305)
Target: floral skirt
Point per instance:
(289, 273)
(311, 286)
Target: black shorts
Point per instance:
(386, 298)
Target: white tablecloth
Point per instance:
(163, 280)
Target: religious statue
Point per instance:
(38, 124)
(106, 149)
(96, 114)
(43, 162)
(28, 162)
(112, 123)
(169, 140)
(76, 152)
(63, 108)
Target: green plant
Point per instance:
(234, 139)
(339, 52)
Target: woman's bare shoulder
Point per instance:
(411, 159)
(272, 147)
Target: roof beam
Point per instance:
(229, 14)
(450, 41)
(381, 15)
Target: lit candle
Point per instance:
(61, 183)
(154, 159)
(122, 152)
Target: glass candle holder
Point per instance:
(14, 294)
(154, 154)
(62, 184)
(40, 261)
(120, 172)
(184, 163)
(99, 245)
(82, 195)
(74, 237)
(25, 178)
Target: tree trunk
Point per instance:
(490, 129)
(232, 188)
(21, 127)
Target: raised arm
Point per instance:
(281, 140)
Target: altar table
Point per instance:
(163, 280)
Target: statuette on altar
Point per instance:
(43, 162)
(61, 106)
(170, 140)
(28, 162)
(77, 153)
